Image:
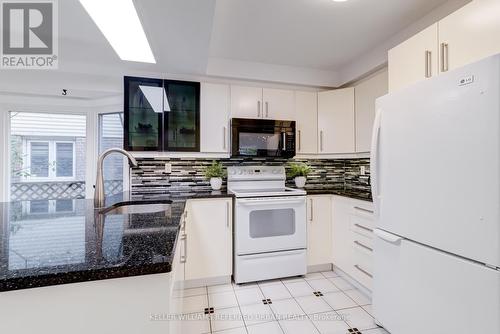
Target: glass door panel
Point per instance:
(182, 116)
(143, 114)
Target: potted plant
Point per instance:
(215, 172)
(299, 172)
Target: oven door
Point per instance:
(270, 224)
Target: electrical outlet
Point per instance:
(362, 170)
(168, 168)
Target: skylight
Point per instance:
(120, 24)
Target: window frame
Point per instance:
(52, 175)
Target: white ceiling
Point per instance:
(319, 34)
(302, 42)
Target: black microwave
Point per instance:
(262, 138)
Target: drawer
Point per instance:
(362, 244)
(364, 210)
(362, 225)
(362, 266)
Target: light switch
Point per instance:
(362, 170)
(168, 168)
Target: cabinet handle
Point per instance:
(183, 258)
(362, 245)
(363, 227)
(284, 141)
(228, 214)
(321, 141)
(312, 209)
(444, 57)
(362, 209)
(300, 146)
(363, 271)
(267, 109)
(428, 60)
(224, 137)
(258, 108)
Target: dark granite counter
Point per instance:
(353, 193)
(52, 242)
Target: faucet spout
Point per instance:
(99, 193)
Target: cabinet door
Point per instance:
(306, 115)
(367, 93)
(182, 116)
(415, 59)
(342, 250)
(470, 34)
(319, 226)
(214, 118)
(278, 104)
(336, 121)
(209, 239)
(246, 102)
(143, 114)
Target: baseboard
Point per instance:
(197, 283)
(352, 281)
(319, 267)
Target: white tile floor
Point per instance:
(320, 303)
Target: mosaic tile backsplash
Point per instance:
(187, 174)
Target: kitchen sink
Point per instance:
(137, 208)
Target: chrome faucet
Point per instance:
(99, 195)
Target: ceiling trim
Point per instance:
(237, 69)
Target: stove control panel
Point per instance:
(256, 172)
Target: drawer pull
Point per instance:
(362, 209)
(364, 246)
(364, 227)
(363, 271)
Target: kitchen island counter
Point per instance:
(52, 242)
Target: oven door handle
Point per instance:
(270, 202)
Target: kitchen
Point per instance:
(234, 185)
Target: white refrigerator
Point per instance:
(435, 166)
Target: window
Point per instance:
(39, 207)
(47, 156)
(50, 160)
(111, 136)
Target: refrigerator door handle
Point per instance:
(392, 238)
(374, 160)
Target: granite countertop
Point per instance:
(352, 193)
(52, 242)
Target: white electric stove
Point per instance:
(270, 236)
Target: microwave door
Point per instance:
(259, 144)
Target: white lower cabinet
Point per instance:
(319, 230)
(352, 238)
(208, 253)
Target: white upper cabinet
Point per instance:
(278, 104)
(214, 118)
(246, 102)
(465, 36)
(366, 95)
(415, 59)
(306, 115)
(267, 103)
(336, 121)
(470, 34)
